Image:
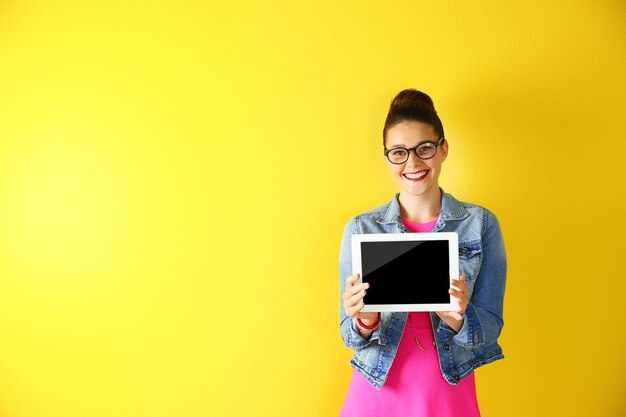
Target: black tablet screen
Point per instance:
(406, 272)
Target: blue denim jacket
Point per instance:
(481, 258)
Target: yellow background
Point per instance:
(175, 178)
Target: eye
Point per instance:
(426, 149)
(398, 152)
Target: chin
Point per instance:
(422, 190)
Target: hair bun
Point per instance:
(414, 106)
(412, 97)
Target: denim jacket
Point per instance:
(481, 258)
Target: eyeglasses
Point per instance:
(425, 150)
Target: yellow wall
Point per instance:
(175, 178)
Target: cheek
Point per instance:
(394, 170)
(435, 164)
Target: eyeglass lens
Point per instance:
(401, 155)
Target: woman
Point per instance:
(421, 364)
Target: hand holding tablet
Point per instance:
(407, 271)
(460, 298)
(353, 299)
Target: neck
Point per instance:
(420, 208)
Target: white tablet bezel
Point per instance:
(453, 254)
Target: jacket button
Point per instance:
(446, 346)
(463, 250)
(456, 378)
(475, 338)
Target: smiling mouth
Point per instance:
(416, 176)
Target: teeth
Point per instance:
(417, 175)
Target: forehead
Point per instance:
(410, 134)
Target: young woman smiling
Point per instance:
(422, 364)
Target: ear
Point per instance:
(444, 150)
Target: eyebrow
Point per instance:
(420, 143)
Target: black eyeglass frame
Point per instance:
(408, 151)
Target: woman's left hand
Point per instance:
(460, 299)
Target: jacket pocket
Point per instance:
(470, 257)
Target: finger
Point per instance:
(348, 307)
(455, 315)
(355, 310)
(458, 307)
(351, 300)
(458, 292)
(458, 284)
(349, 284)
(459, 295)
(357, 288)
(357, 297)
(351, 279)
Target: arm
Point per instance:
(352, 298)
(482, 319)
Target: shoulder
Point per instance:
(479, 217)
(373, 214)
(458, 208)
(381, 214)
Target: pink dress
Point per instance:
(414, 386)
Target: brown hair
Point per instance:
(415, 106)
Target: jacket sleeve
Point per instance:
(349, 333)
(483, 319)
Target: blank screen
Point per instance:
(406, 272)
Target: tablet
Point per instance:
(406, 271)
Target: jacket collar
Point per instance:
(451, 209)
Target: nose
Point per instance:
(413, 154)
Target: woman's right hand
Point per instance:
(353, 301)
